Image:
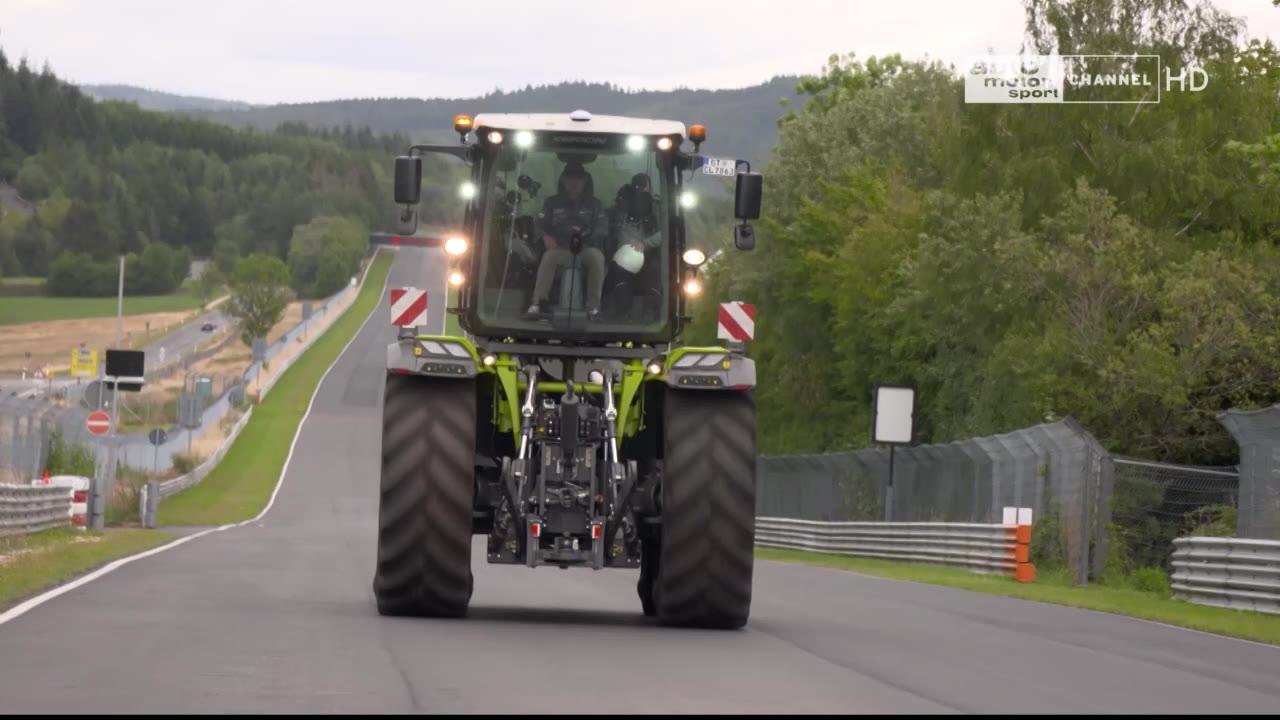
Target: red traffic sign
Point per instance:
(98, 422)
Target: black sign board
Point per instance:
(125, 368)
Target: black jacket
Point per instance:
(559, 216)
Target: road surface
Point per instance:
(278, 616)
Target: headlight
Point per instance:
(456, 278)
(664, 143)
(693, 287)
(524, 139)
(635, 143)
(495, 137)
(467, 190)
(688, 200)
(655, 368)
(694, 257)
(455, 246)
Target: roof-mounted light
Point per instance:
(462, 124)
(524, 139)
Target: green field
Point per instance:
(241, 484)
(38, 308)
(42, 560)
(1057, 589)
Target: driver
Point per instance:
(570, 216)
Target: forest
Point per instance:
(1117, 263)
(106, 179)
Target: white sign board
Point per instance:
(894, 415)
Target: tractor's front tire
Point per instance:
(706, 556)
(428, 487)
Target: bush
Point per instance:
(1049, 543)
(184, 463)
(67, 459)
(1213, 521)
(1152, 580)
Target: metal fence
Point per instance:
(1257, 432)
(1058, 469)
(1228, 572)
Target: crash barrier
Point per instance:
(62, 501)
(1228, 572)
(980, 548)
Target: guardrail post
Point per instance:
(152, 499)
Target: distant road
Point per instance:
(181, 341)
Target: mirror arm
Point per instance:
(463, 152)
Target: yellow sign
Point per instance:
(84, 362)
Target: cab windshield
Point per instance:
(575, 241)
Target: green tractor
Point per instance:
(567, 423)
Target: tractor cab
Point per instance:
(574, 225)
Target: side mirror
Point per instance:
(744, 237)
(746, 205)
(408, 180)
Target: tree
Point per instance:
(152, 272)
(325, 253)
(259, 294)
(207, 284)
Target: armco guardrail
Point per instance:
(981, 548)
(169, 488)
(1228, 572)
(26, 509)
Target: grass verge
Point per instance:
(241, 484)
(32, 563)
(39, 308)
(1056, 588)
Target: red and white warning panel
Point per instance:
(737, 321)
(408, 307)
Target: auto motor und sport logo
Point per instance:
(1062, 79)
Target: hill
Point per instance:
(161, 101)
(741, 122)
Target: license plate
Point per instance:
(727, 167)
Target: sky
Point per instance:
(269, 51)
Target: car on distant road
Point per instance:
(207, 327)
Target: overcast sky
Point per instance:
(265, 51)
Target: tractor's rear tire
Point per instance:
(708, 509)
(649, 553)
(428, 487)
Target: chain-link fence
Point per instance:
(1154, 503)
(25, 427)
(1057, 469)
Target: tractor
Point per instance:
(566, 422)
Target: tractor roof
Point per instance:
(565, 122)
